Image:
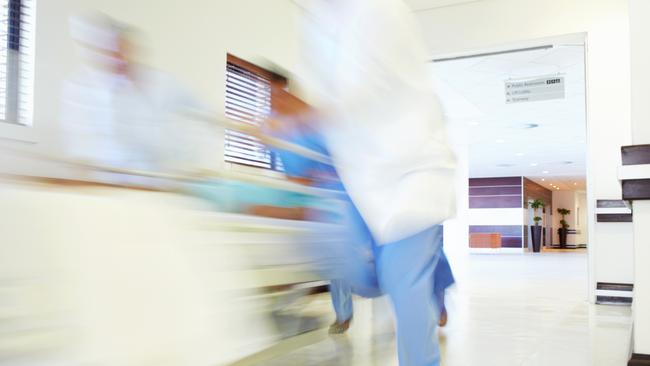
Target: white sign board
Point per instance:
(533, 90)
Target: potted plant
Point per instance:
(562, 232)
(536, 231)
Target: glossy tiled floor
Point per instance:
(523, 310)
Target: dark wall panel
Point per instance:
(511, 242)
(636, 189)
(614, 217)
(495, 202)
(635, 154)
(610, 204)
(494, 191)
(534, 191)
(502, 192)
(499, 181)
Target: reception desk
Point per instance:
(485, 240)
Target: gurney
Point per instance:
(122, 274)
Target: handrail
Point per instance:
(204, 177)
(264, 138)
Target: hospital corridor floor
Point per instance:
(505, 310)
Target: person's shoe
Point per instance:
(340, 328)
(443, 318)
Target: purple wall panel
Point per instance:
(495, 202)
(504, 192)
(502, 181)
(504, 230)
(482, 191)
(511, 242)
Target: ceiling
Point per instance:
(544, 140)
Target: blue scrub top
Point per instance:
(359, 269)
(297, 165)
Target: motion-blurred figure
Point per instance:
(296, 122)
(293, 121)
(366, 64)
(120, 113)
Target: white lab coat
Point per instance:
(367, 66)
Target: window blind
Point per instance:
(248, 100)
(17, 22)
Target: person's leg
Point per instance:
(443, 279)
(342, 302)
(440, 304)
(406, 273)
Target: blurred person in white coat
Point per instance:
(121, 113)
(137, 298)
(365, 66)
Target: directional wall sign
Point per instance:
(533, 90)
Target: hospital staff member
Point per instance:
(367, 66)
(292, 122)
(121, 113)
(295, 122)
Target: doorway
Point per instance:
(522, 114)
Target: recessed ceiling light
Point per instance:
(550, 184)
(558, 188)
(519, 154)
(575, 184)
(543, 179)
(500, 141)
(545, 172)
(533, 164)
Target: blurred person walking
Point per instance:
(366, 66)
(295, 121)
(121, 113)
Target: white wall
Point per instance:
(456, 229)
(642, 284)
(188, 38)
(495, 216)
(640, 53)
(620, 247)
(640, 59)
(499, 24)
(191, 38)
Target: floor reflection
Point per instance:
(507, 310)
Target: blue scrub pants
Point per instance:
(341, 294)
(341, 291)
(405, 272)
(443, 278)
